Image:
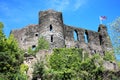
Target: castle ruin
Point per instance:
(59, 35)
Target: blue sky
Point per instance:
(80, 13)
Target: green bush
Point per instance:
(118, 63)
(109, 56)
(42, 44)
(73, 64)
(38, 70)
(68, 64)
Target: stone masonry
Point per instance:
(60, 35)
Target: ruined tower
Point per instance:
(59, 35)
(104, 38)
(51, 27)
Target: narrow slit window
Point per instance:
(75, 34)
(100, 38)
(51, 38)
(86, 37)
(51, 28)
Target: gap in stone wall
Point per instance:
(33, 47)
(51, 28)
(100, 38)
(75, 34)
(36, 34)
(86, 36)
(51, 38)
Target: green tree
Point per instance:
(68, 64)
(11, 56)
(115, 34)
(2, 37)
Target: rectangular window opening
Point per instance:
(86, 36)
(51, 28)
(33, 47)
(51, 38)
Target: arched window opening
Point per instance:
(51, 38)
(86, 36)
(51, 28)
(33, 47)
(75, 34)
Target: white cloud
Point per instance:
(59, 5)
(78, 4)
(62, 5)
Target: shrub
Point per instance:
(42, 44)
(68, 64)
(109, 56)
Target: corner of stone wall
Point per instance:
(104, 38)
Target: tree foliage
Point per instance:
(68, 64)
(11, 56)
(2, 37)
(115, 34)
(42, 44)
(109, 56)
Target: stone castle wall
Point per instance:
(59, 35)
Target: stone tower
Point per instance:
(51, 27)
(104, 38)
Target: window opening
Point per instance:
(33, 47)
(51, 38)
(51, 28)
(36, 34)
(100, 38)
(86, 36)
(75, 34)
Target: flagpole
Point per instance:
(100, 19)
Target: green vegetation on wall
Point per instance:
(74, 64)
(68, 64)
(42, 44)
(109, 56)
(11, 57)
